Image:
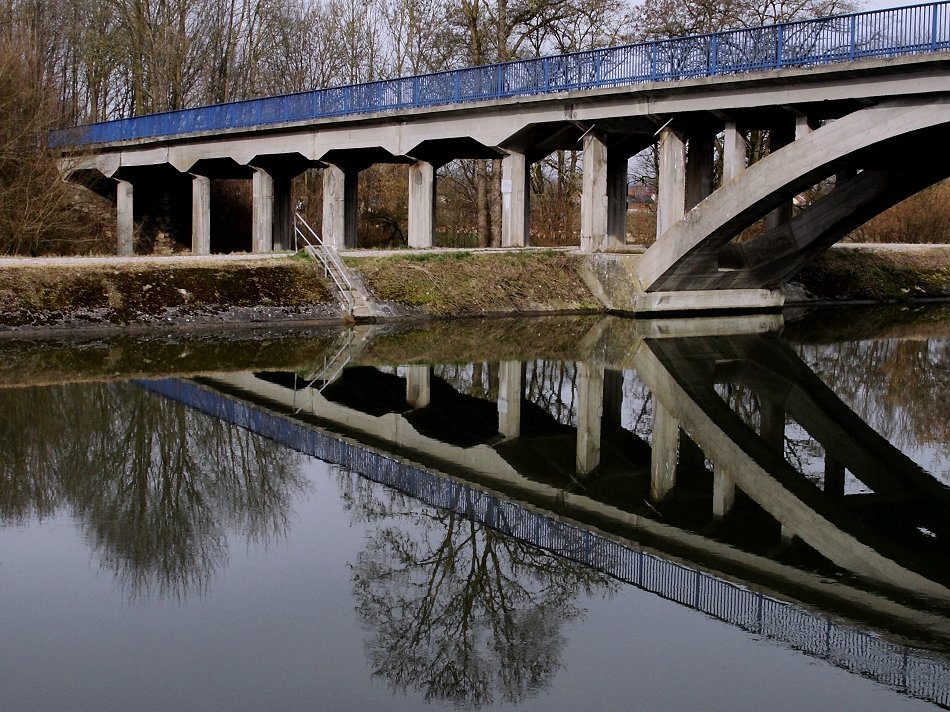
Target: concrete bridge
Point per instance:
(859, 104)
(901, 586)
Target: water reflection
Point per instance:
(457, 610)
(765, 484)
(155, 486)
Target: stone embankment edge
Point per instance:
(53, 296)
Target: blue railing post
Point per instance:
(934, 27)
(714, 55)
(653, 76)
(500, 80)
(546, 71)
(779, 45)
(415, 91)
(457, 85)
(854, 36)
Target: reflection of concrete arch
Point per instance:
(682, 375)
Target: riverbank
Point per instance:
(143, 293)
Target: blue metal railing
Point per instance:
(916, 29)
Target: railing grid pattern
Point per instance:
(917, 29)
(911, 671)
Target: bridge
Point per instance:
(591, 511)
(857, 103)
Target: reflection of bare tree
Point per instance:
(156, 486)
(459, 611)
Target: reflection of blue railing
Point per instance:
(911, 671)
(917, 29)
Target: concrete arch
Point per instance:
(878, 139)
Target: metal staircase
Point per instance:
(333, 266)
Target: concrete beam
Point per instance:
(422, 204)
(515, 201)
(700, 162)
(418, 386)
(125, 223)
(339, 206)
(510, 394)
(590, 409)
(594, 194)
(664, 452)
(733, 152)
(724, 493)
(262, 200)
(671, 188)
(201, 215)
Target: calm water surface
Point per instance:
(169, 540)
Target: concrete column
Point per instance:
(613, 399)
(724, 493)
(772, 425)
(733, 152)
(283, 230)
(779, 137)
(418, 386)
(125, 224)
(515, 201)
(262, 202)
(201, 215)
(510, 390)
(834, 477)
(421, 204)
(339, 206)
(671, 191)
(700, 162)
(803, 127)
(616, 198)
(664, 452)
(594, 195)
(590, 409)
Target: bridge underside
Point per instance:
(729, 234)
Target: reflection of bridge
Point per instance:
(860, 99)
(682, 374)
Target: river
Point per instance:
(554, 513)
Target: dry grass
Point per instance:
(879, 275)
(466, 283)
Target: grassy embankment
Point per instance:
(919, 272)
(469, 283)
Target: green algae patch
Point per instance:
(123, 294)
(469, 283)
(867, 274)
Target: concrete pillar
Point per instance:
(700, 162)
(510, 393)
(283, 229)
(613, 399)
(201, 215)
(421, 204)
(772, 425)
(779, 137)
(834, 477)
(339, 206)
(590, 405)
(733, 152)
(418, 386)
(803, 127)
(724, 493)
(617, 187)
(664, 452)
(125, 223)
(515, 201)
(262, 203)
(671, 191)
(594, 194)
